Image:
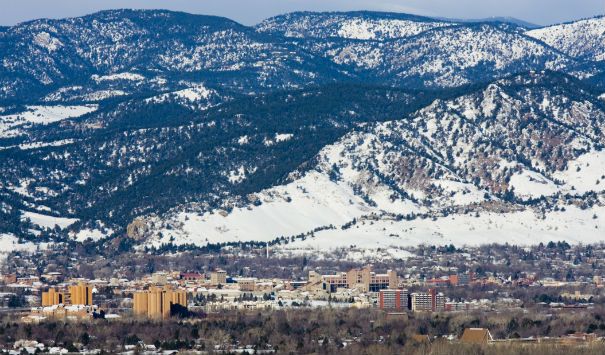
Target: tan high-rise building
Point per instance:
(52, 298)
(218, 277)
(81, 294)
(157, 302)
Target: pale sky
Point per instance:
(250, 12)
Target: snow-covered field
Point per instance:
(272, 220)
(46, 221)
(9, 124)
(118, 76)
(521, 228)
(315, 201)
(9, 243)
(194, 94)
(309, 203)
(92, 234)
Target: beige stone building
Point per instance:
(218, 277)
(81, 294)
(157, 302)
(363, 279)
(52, 297)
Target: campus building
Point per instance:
(363, 279)
(431, 301)
(393, 299)
(52, 298)
(158, 302)
(80, 295)
(218, 277)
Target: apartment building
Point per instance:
(158, 302)
(437, 301)
(218, 277)
(393, 299)
(431, 301)
(421, 302)
(81, 294)
(52, 297)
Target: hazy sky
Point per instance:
(252, 11)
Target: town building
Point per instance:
(437, 301)
(80, 294)
(52, 297)
(218, 277)
(421, 302)
(456, 306)
(393, 300)
(159, 278)
(247, 284)
(158, 302)
(363, 279)
(191, 276)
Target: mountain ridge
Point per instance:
(194, 132)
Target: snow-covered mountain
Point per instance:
(419, 51)
(329, 129)
(447, 56)
(114, 55)
(363, 25)
(124, 51)
(581, 39)
(529, 147)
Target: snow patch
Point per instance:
(283, 137)
(530, 184)
(586, 173)
(10, 243)
(90, 234)
(46, 41)
(46, 221)
(9, 124)
(120, 76)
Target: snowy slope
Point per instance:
(9, 243)
(446, 56)
(574, 225)
(311, 202)
(353, 25)
(46, 221)
(14, 124)
(584, 38)
(442, 175)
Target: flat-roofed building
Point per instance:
(437, 301)
(52, 297)
(247, 284)
(393, 300)
(159, 278)
(421, 301)
(158, 302)
(218, 277)
(363, 279)
(80, 294)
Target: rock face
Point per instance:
(137, 229)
